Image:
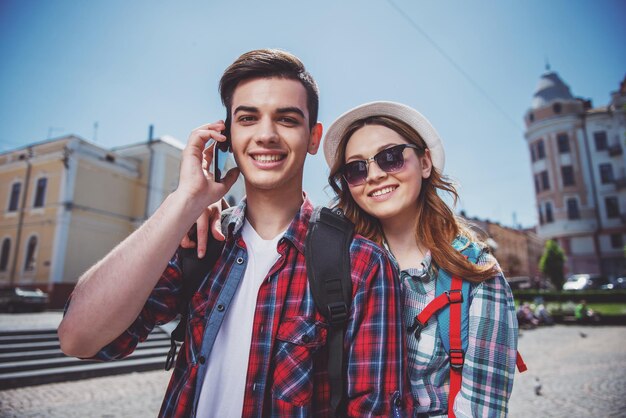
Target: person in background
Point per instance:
(526, 317)
(541, 312)
(584, 314)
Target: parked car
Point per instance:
(585, 282)
(519, 282)
(25, 300)
(619, 283)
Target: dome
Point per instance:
(549, 89)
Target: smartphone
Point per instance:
(220, 155)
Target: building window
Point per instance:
(612, 207)
(537, 185)
(572, 209)
(545, 180)
(29, 262)
(563, 143)
(533, 158)
(531, 117)
(549, 217)
(40, 192)
(4, 254)
(15, 196)
(617, 241)
(557, 108)
(600, 139)
(567, 172)
(540, 215)
(541, 150)
(606, 173)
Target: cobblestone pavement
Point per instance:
(581, 371)
(133, 395)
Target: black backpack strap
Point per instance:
(328, 270)
(194, 272)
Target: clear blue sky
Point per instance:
(470, 66)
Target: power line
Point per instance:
(444, 54)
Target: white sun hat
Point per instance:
(398, 111)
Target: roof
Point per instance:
(46, 141)
(166, 139)
(549, 89)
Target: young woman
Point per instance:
(386, 167)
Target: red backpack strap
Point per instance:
(453, 297)
(519, 361)
(457, 356)
(432, 308)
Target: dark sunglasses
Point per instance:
(389, 160)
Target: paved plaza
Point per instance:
(581, 370)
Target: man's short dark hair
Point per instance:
(268, 63)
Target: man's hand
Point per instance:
(196, 183)
(210, 216)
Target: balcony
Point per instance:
(615, 149)
(620, 182)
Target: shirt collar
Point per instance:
(424, 272)
(296, 232)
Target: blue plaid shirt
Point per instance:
(489, 367)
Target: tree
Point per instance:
(551, 263)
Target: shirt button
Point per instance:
(240, 260)
(306, 339)
(201, 359)
(220, 307)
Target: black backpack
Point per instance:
(328, 270)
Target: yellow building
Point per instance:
(67, 202)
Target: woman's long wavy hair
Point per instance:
(437, 226)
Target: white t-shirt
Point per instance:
(225, 382)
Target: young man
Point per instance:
(255, 342)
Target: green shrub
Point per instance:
(591, 296)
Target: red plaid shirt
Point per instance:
(287, 370)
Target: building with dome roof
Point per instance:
(578, 167)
